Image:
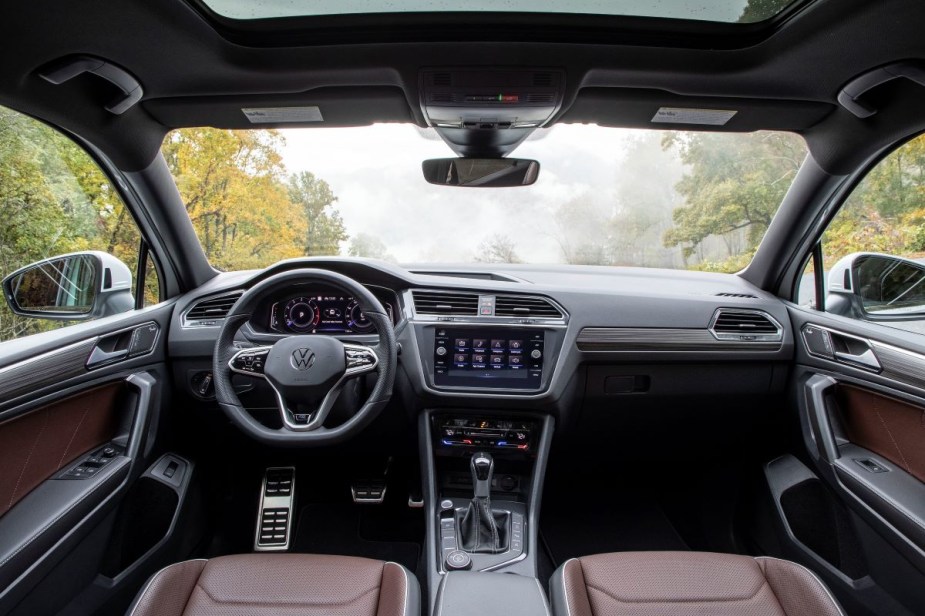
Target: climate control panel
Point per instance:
(485, 433)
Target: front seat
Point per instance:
(687, 583)
(281, 585)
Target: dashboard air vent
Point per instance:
(745, 325)
(443, 80)
(437, 302)
(212, 309)
(518, 306)
(739, 295)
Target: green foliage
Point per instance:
(886, 212)
(325, 227)
(732, 188)
(54, 199)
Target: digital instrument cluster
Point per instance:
(322, 312)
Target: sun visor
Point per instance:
(342, 106)
(634, 108)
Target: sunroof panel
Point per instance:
(724, 11)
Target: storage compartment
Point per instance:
(814, 522)
(820, 523)
(147, 515)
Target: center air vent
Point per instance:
(438, 302)
(211, 311)
(518, 306)
(745, 325)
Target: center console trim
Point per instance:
(431, 503)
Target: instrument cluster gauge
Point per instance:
(322, 313)
(300, 315)
(357, 320)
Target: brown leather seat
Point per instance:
(281, 585)
(682, 583)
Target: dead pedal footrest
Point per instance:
(274, 518)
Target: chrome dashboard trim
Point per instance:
(646, 339)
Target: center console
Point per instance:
(483, 478)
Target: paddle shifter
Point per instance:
(481, 529)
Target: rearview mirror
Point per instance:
(877, 286)
(72, 287)
(484, 172)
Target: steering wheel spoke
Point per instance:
(250, 361)
(360, 359)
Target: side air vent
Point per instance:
(739, 295)
(517, 306)
(541, 98)
(745, 325)
(542, 80)
(210, 311)
(443, 80)
(436, 302)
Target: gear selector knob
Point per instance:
(483, 466)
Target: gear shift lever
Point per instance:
(483, 467)
(480, 528)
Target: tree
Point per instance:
(233, 188)
(732, 188)
(370, 246)
(498, 248)
(759, 10)
(325, 227)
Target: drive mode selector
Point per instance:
(457, 560)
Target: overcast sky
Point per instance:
(376, 174)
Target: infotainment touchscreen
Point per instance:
(493, 357)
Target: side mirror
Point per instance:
(483, 172)
(71, 287)
(875, 286)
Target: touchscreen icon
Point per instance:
(516, 345)
(462, 343)
(497, 345)
(497, 360)
(515, 360)
(478, 360)
(479, 343)
(460, 358)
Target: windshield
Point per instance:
(604, 196)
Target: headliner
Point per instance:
(197, 69)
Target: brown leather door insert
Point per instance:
(888, 427)
(36, 445)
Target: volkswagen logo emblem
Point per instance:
(302, 359)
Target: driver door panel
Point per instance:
(75, 436)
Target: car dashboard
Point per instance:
(521, 336)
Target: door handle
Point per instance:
(866, 359)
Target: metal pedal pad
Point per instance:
(274, 518)
(370, 490)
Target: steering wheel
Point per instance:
(306, 372)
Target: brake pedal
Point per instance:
(371, 490)
(274, 520)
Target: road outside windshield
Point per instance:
(605, 196)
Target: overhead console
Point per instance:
(488, 112)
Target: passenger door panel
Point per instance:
(860, 392)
